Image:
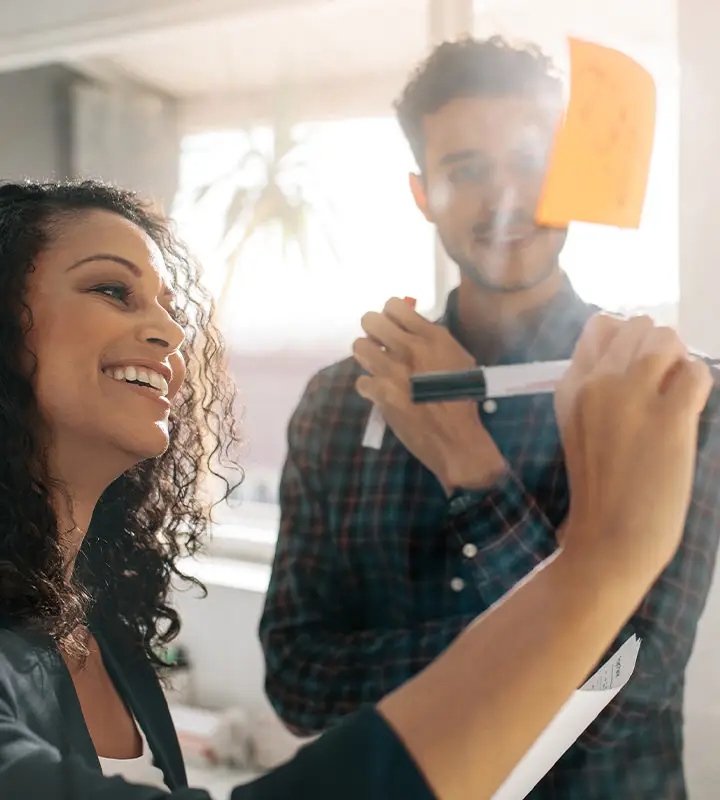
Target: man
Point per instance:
(385, 556)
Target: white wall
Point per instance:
(698, 23)
(220, 633)
(702, 705)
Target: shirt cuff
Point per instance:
(506, 490)
(360, 759)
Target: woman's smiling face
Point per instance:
(107, 345)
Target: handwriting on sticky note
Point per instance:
(599, 165)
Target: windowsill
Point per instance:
(248, 534)
(230, 573)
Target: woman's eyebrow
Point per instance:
(124, 262)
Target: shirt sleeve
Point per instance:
(667, 620)
(318, 669)
(359, 759)
(512, 534)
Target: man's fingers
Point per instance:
(383, 392)
(403, 314)
(385, 332)
(373, 358)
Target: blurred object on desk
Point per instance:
(271, 743)
(211, 738)
(180, 687)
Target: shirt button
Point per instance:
(489, 406)
(469, 550)
(457, 504)
(457, 584)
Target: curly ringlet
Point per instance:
(154, 513)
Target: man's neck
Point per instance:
(492, 322)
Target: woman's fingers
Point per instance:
(690, 385)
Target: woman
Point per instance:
(101, 318)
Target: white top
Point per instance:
(140, 770)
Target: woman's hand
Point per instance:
(628, 411)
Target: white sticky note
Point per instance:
(374, 430)
(571, 722)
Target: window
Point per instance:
(366, 239)
(288, 318)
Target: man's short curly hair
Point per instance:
(470, 67)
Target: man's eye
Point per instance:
(115, 291)
(469, 172)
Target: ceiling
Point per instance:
(258, 50)
(352, 39)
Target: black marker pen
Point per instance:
(483, 383)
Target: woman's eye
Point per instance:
(114, 291)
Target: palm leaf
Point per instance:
(295, 230)
(201, 192)
(232, 175)
(236, 209)
(274, 198)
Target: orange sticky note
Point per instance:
(599, 165)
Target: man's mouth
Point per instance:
(140, 376)
(504, 238)
(504, 230)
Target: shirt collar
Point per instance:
(550, 334)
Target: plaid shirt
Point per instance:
(376, 572)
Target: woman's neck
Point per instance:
(73, 522)
(74, 503)
(80, 480)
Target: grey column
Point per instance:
(35, 123)
(127, 135)
(56, 124)
(699, 320)
(699, 312)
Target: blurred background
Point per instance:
(265, 128)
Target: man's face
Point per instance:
(485, 161)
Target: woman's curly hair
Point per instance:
(153, 514)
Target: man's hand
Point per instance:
(448, 438)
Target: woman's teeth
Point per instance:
(141, 376)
